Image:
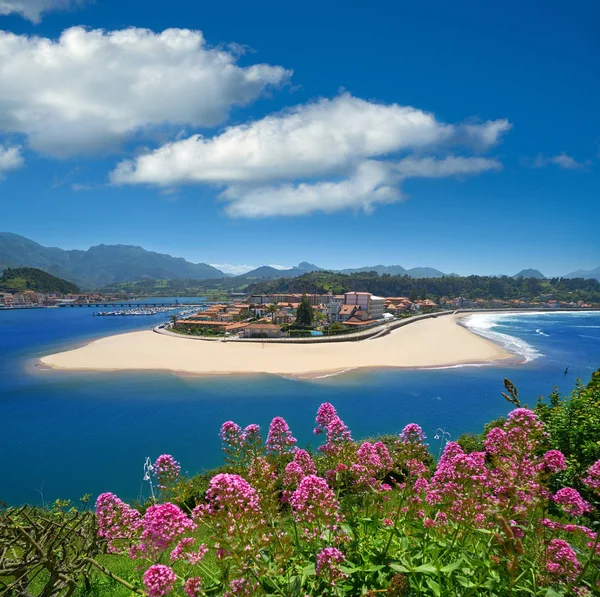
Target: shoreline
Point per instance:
(425, 344)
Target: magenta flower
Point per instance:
(117, 521)
(327, 564)
(162, 526)
(412, 434)
(166, 470)
(315, 507)
(159, 580)
(305, 462)
(593, 476)
(562, 562)
(325, 415)
(571, 501)
(280, 440)
(241, 587)
(193, 586)
(554, 461)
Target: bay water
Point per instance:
(64, 434)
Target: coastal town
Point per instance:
(278, 315)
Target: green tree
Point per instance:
(174, 319)
(423, 293)
(305, 314)
(414, 295)
(272, 309)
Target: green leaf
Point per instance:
(465, 582)
(553, 593)
(309, 570)
(451, 567)
(399, 568)
(435, 587)
(427, 568)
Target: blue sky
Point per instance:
(463, 136)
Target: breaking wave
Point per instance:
(483, 324)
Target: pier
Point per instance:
(130, 305)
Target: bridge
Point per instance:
(129, 305)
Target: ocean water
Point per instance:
(65, 434)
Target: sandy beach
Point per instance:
(426, 343)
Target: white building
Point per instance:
(373, 306)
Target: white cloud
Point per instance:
(10, 159)
(450, 166)
(33, 9)
(92, 90)
(562, 160)
(306, 141)
(373, 182)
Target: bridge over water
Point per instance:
(129, 305)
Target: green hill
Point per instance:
(31, 278)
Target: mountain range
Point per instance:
(103, 265)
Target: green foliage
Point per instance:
(305, 314)
(486, 287)
(37, 280)
(573, 422)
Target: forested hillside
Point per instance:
(486, 287)
(31, 278)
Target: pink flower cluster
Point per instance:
(162, 526)
(186, 551)
(337, 434)
(459, 484)
(327, 564)
(193, 586)
(593, 476)
(315, 507)
(412, 434)
(280, 440)
(562, 562)
(240, 446)
(232, 494)
(159, 580)
(571, 501)
(554, 461)
(166, 471)
(372, 460)
(117, 521)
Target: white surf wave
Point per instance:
(539, 331)
(482, 324)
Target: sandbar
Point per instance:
(426, 343)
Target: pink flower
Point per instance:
(315, 507)
(159, 580)
(293, 474)
(325, 415)
(412, 434)
(387, 522)
(554, 461)
(117, 521)
(193, 586)
(305, 462)
(162, 525)
(571, 501)
(327, 564)
(241, 587)
(233, 494)
(280, 440)
(562, 562)
(593, 476)
(185, 551)
(166, 470)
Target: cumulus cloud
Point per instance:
(373, 182)
(562, 160)
(370, 184)
(33, 9)
(329, 155)
(306, 141)
(93, 89)
(232, 268)
(10, 159)
(430, 167)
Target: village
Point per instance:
(283, 315)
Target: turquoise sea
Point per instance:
(66, 434)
